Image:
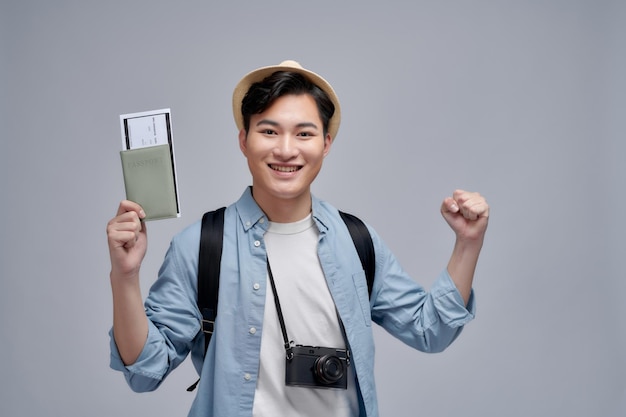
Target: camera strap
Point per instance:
(289, 343)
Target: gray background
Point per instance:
(523, 101)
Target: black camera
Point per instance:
(320, 367)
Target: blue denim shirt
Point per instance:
(427, 321)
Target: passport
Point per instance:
(148, 163)
(149, 180)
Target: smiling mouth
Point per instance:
(282, 168)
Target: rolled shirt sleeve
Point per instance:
(148, 371)
(449, 304)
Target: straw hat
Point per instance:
(259, 74)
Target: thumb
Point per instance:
(449, 206)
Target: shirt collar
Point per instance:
(248, 210)
(250, 213)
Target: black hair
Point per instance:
(261, 95)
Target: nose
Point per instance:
(286, 147)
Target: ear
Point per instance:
(243, 136)
(328, 141)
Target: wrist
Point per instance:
(124, 279)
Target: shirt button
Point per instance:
(247, 377)
(252, 330)
(257, 243)
(247, 224)
(262, 220)
(256, 286)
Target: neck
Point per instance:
(283, 210)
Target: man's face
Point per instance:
(285, 147)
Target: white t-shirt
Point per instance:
(310, 319)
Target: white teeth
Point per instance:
(284, 169)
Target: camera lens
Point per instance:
(328, 369)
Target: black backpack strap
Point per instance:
(364, 246)
(209, 260)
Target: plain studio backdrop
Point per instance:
(523, 101)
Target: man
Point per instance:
(288, 118)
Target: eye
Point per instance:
(268, 132)
(305, 134)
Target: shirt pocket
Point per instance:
(362, 296)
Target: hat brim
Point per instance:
(259, 74)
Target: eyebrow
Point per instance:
(276, 124)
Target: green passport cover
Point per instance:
(149, 180)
